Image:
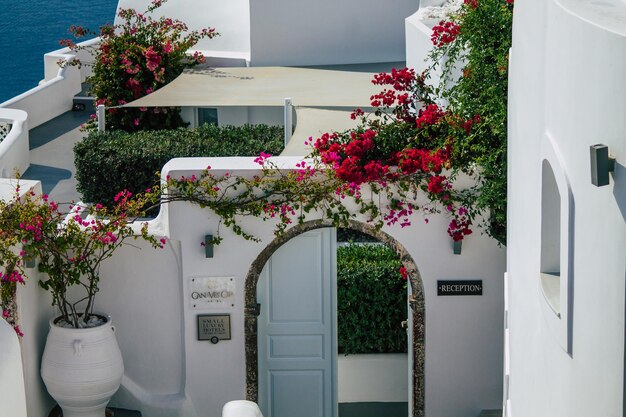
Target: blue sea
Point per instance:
(30, 28)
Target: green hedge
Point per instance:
(112, 161)
(371, 300)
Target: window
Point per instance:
(550, 237)
(207, 115)
(557, 235)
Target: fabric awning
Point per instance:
(313, 123)
(264, 86)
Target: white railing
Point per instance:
(5, 128)
(14, 154)
(54, 94)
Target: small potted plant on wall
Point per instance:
(82, 364)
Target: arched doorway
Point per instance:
(416, 302)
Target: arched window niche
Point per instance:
(557, 234)
(550, 238)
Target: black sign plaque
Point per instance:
(460, 287)
(214, 327)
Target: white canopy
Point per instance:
(313, 123)
(264, 86)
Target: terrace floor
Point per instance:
(52, 155)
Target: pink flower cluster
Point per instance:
(459, 227)
(13, 276)
(263, 156)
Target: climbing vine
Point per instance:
(406, 154)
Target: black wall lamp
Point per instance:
(601, 164)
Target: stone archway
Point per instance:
(416, 301)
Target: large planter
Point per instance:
(82, 368)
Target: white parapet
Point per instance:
(54, 94)
(12, 394)
(14, 155)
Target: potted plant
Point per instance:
(82, 364)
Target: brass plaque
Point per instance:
(214, 327)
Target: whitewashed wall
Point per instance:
(240, 115)
(373, 377)
(230, 18)
(12, 393)
(34, 311)
(55, 93)
(418, 43)
(464, 334)
(567, 83)
(170, 373)
(14, 154)
(286, 32)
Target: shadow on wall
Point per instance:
(619, 190)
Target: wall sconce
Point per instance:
(457, 246)
(208, 246)
(601, 164)
(29, 261)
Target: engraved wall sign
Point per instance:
(213, 327)
(211, 292)
(460, 287)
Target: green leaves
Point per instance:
(135, 57)
(482, 49)
(102, 160)
(69, 243)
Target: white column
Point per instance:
(288, 120)
(101, 121)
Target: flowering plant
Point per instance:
(473, 63)
(69, 247)
(410, 146)
(133, 59)
(288, 196)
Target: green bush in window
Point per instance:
(371, 300)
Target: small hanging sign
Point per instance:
(213, 327)
(460, 287)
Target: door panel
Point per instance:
(297, 328)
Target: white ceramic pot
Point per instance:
(82, 368)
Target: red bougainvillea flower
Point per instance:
(403, 273)
(437, 184)
(356, 113)
(401, 80)
(444, 33)
(429, 116)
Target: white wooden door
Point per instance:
(297, 329)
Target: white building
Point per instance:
(455, 362)
(566, 250)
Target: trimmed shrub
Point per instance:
(112, 161)
(371, 300)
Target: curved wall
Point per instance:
(230, 18)
(328, 32)
(567, 82)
